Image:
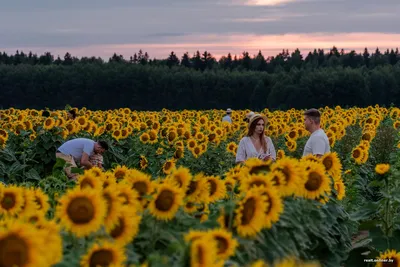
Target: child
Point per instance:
(97, 160)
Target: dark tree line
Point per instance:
(201, 82)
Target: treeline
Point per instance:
(147, 87)
(205, 60)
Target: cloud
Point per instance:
(78, 24)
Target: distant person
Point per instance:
(248, 116)
(318, 143)
(227, 117)
(255, 144)
(78, 151)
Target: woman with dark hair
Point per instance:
(256, 144)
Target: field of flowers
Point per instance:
(171, 195)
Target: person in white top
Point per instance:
(318, 143)
(227, 117)
(256, 144)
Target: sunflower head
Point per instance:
(381, 169)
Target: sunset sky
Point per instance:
(102, 27)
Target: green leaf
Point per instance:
(32, 174)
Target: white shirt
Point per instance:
(247, 150)
(318, 143)
(227, 118)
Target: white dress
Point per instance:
(247, 150)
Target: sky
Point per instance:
(100, 28)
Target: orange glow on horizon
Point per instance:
(219, 45)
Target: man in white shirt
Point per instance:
(318, 143)
(227, 117)
(79, 150)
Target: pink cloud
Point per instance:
(219, 45)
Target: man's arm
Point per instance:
(85, 161)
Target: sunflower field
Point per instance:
(170, 193)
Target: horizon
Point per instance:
(103, 28)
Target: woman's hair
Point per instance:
(252, 128)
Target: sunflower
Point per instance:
(127, 226)
(50, 231)
(232, 148)
(49, 123)
(166, 202)
(340, 188)
(192, 235)
(81, 211)
(179, 153)
(114, 206)
(317, 182)
(141, 183)
(198, 189)
(144, 138)
(104, 254)
(41, 200)
(159, 151)
(226, 244)
(203, 252)
(390, 257)
(274, 205)
(143, 162)
(255, 181)
(381, 169)
(120, 172)
(293, 175)
(88, 180)
(128, 196)
(358, 155)
(181, 177)
(257, 166)
(29, 205)
(11, 200)
(250, 214)
(168, 166)
(190, 207)
(22, 245)
(217, 189)
(332, 164)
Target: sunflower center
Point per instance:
(14, 251)
(86, 183)
(119, 229)
(222, 244)
(141, 187)
(101, 257)
(119, 174)
(8, 201)
(200, 255)
(286, 172)
(213, 187)
(108, 199)
(276, 180)
(81, 210)
(165, 200)
(248, 211)
(314, 181)
(356, 154)
(258, 169)
(167, 166)
(257, 183)
(189, 205)
(192, 188)
(34, 219)
(327, 163)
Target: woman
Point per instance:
(256, 144)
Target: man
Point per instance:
(318, 143)
(227, 117)
(248, 116)
(79, 150)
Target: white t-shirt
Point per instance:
(76, 147)
(227, 118)
(247, 150)
(318, 143)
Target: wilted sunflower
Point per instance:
(226, 244)
(22, 245)
(317, 183)
(250, 214)
(166, 202)
(104, 254)
(11, 200)
(81, 211)
(127, 226)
